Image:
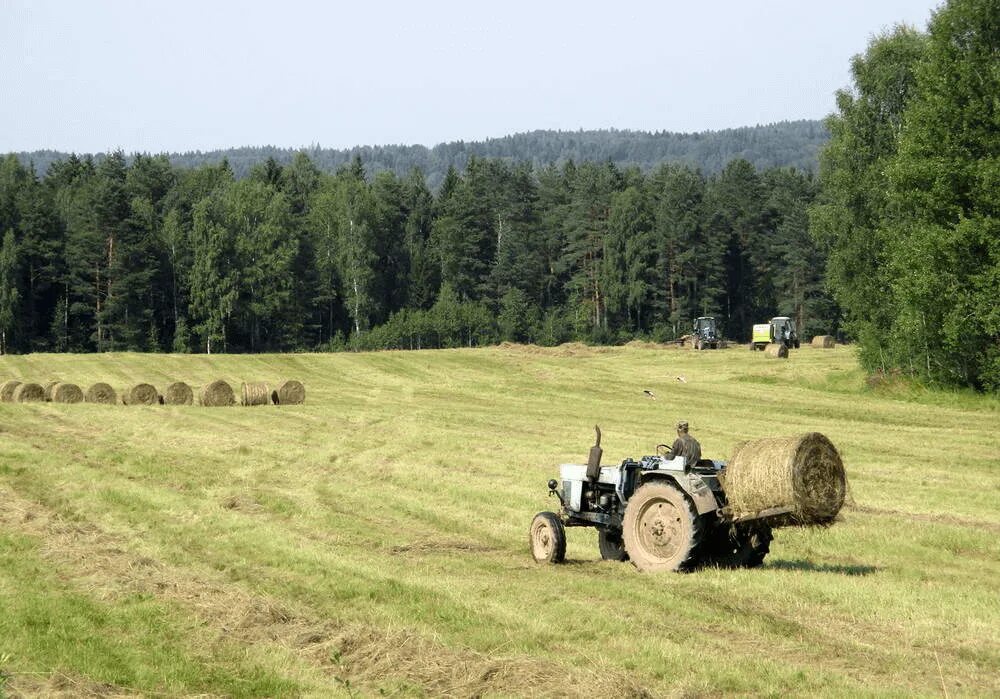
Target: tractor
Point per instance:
(779, 330)
(659, 512)
(705, 335)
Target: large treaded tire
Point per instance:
(661, 529)
(742, 548)
(547, 538)
(611, 545)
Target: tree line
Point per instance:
(784, 144)
(139, 254)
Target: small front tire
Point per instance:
(547, 538)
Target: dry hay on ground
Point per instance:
(101, 393)
(804, 474)
(217, 394)
(776, 350)
(140, 394)
(289, 392)
(28, 393)
(65, 393)
(255, 393)
(824, 342)
(178, 393)
(7, 389)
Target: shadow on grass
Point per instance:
(821, 567)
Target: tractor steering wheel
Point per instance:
(662, 449)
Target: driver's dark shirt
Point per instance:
(687, 446)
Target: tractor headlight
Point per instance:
(553, 484)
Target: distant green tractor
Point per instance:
(780, 330)
(706, 333)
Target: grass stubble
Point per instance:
(373, 540)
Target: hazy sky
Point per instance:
(176, 75)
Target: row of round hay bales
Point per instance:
(824, 341)
(216, 394)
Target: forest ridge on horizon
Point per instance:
(782, 144)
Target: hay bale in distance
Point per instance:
(217, 394)
(178, 393)
(29, 393)
(289, 392)
(824, 341)
(101, 393)
(65, 393)
(7, 389)
(776, 350)
(803, 473)
(140, 394)
(255, 393)
(48, 389)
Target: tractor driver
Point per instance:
(685, 445)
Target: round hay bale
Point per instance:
(101, 393)
(140, 394)
(178, 393)
(776, 350)
(29, 393)
(7, 389)
(824, 341)
(65, 393)
(804, 474)
(255, 393)
(217, 394)
(48, 389)
(289, 392)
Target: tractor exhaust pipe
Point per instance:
(594, 460)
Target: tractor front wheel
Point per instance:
(611, 545)
(547, 538)
(661, 529)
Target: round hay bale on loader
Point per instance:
(776, 350)
(29, 393)
(255, 393)
(101, 393)
(140, 394)
(289, 392)
(65, 393)
(178, 393)
(800, 480)
(217, 394)
(7, 389)
(824, 341)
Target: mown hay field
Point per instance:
(374, 540)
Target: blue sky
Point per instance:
(176, 76)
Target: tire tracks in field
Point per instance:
(341, 654)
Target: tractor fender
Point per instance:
(692, 486)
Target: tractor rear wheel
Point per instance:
(742, 548)
(661, 529)
(547, 538)
(611, 545)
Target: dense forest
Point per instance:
(786, 144)
(111, 255)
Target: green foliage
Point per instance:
(141, 256)
(909, 212)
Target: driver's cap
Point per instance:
(682, 425)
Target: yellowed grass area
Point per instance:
(374, 539)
